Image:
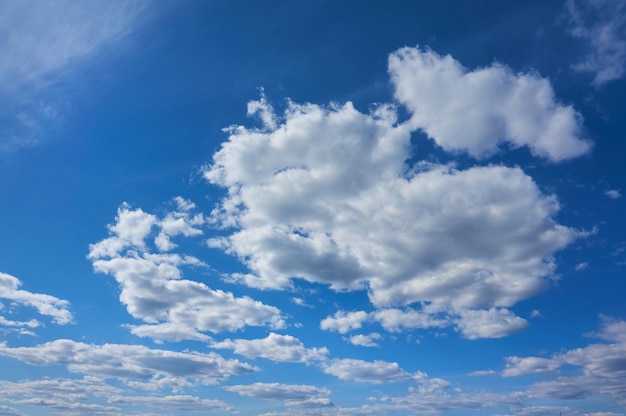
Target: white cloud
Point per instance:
(396, 320)
(602, 365)
(613, 194)
(9, 411)
(178, 402)
(489, 323)
(152, 284)
(275, 347)
(289, 394)
(134, 362)
(44, 304)
(365, 340)
(376, 372)
(516, 366)
(327, 197)
(344, 322)
(601, 24)
(476, 111)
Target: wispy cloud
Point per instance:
(43, 42)
(601, 24)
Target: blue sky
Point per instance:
(312, 208)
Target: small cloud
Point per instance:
(536, 314)
(613, 194)
(581, 266)
(481, 373)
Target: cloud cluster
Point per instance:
(129, 362)
(152, 285)
(602, 368)
(324, 194)
(46, 305)
(289, 394)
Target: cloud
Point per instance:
(178, 402)
(133, 362)
(601, 25)
(44, 304)
(476, 111)
(289, 394)
(152, 284)
(602, 366)
(376, 372)
(613, 194)
(491, 323)
(365, 340)
(344, 322)
(9, 411)
(275, 347)
(59, 394)
(327, 197)
(43, 42)
(396, 320)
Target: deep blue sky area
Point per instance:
(312, 208)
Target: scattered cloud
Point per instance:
(601, 24)
(476, 111)
(57, 309)
(178, 402)
(602, 366)
(152, 284)
(275, 347)
(289, 394)
(376, 372)
(132, 362)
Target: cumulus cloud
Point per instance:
(601, 25)
(44, 304)
(152, 284)
(133, 362)
(375, 372)
(602, 366)
(476, 111)
(363, 340)
(326, 196)
(275, 347)
(289, 394)
(491, 323)
(344, 322)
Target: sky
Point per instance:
(313, 208)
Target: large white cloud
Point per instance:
(46, 305)
(133, 362)
(326, 196)
(476, 111)
(152, 284)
